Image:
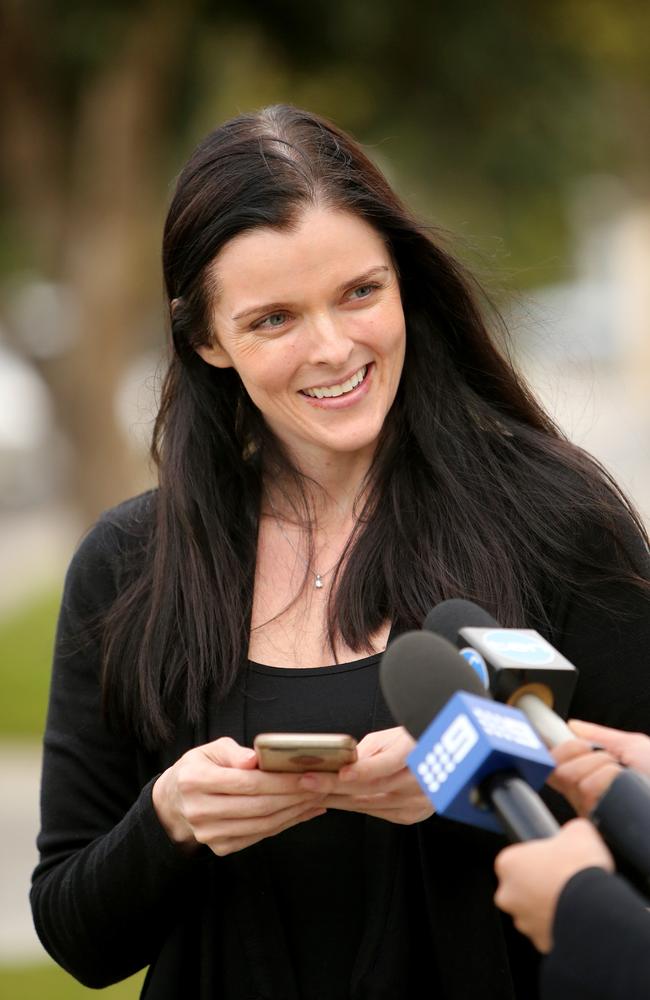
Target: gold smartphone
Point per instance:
(304, 751)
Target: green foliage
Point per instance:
(498, 108)
(49, 982)
(26, 639)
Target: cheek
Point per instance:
(384, 331)
(268, 372)
(392, 336)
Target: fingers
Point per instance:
(204, 769)
(532, 875)
(247, 806)
(233, 841)
(380, 755)
(227, 802)
(318, 781)
(216, 795)
(570, 749)
(611, 739)
(584, 778)
(377, 784)
(402, 781)
(382, 807)
(227, 753)
(221, 828)
(632, 749)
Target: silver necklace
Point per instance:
(318, 577)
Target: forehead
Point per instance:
(323, 245)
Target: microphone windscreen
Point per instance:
(448, 617)
(418, 674)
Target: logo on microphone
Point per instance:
(507, 727)
(445, 755)
(471, 738)
(521, 647)
(477, 663)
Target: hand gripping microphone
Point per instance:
(622, 815)
(518, 665)
(477, 759)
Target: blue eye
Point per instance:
(272, 321)
(363, 291)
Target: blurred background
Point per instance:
(521, 127)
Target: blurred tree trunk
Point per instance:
(93, 214)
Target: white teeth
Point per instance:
(339, 390)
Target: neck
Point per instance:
(332, 485)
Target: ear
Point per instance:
(215, 355)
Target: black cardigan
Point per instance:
(112, 895)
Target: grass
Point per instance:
(26, 640)
(49, 982)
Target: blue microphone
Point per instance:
(477, 761)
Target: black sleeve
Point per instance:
(601, 936)
(106, 864)
(605, 633)
(604, 630)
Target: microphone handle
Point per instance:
(521, 811)
(550, 726)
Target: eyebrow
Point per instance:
(359, 280)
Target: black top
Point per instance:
(601, 935)
(111, 894)
(315, 869)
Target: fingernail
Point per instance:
(310, 783)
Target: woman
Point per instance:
(340, 446)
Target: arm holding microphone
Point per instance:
(532, 876)
(561, 892)
(595, 928)
(523, 669)
(606, 786)
(583, 776)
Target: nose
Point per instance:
(329, 341)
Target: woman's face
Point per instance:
(311, 319)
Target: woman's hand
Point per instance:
(216, 795)
(378, 783)
(532, 876)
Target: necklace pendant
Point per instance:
(318, 583)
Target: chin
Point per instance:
(343, 445)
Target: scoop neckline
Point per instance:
(335, 668)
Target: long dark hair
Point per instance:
(473, 491)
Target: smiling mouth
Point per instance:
(328, 392)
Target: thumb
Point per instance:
(228, 753)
